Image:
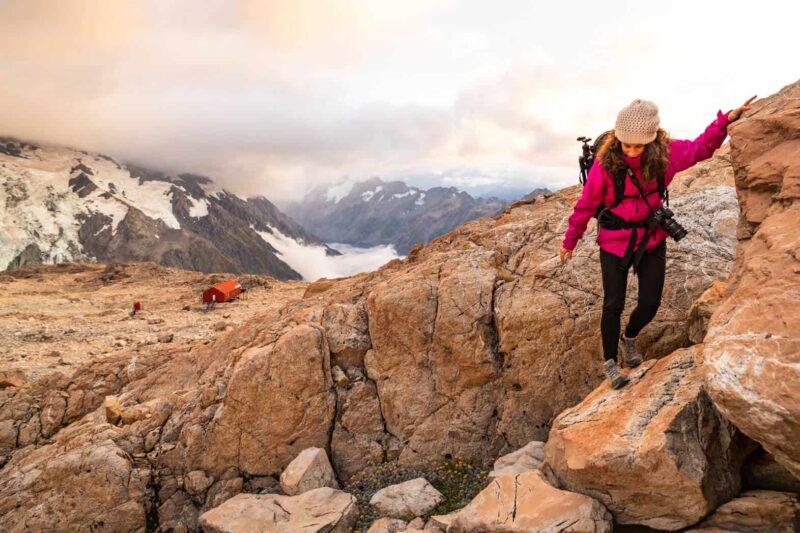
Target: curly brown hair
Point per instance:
(655, 156)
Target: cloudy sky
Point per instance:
(275, 96)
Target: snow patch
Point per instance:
(311, 261)
(367, 195)
(336, 192)
(409, 192)
(199, 207)
(420, 200)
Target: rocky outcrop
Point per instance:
(83, 483)
(656, 452)
(468, 348)
(316, 511)
(446, 353)
(752, 349)
(527, 502)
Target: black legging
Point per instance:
(615, 283)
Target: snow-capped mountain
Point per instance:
(63, 205)
(375, 212)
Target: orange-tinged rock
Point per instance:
(527, 502)
(752, 349)
(655, 452)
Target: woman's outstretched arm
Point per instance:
(684, 154)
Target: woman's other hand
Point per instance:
(564, 255)
(736, 113)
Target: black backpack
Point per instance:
(586, 160)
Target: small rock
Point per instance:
(220, 326)
(417, 523)
(226, 315)
(387, 525)
(309, 470)
(113, 410)
(54, 353)
(339, 377)
(196, 482)
(355, 373)
(529, 457)
(12, 378)
(165, 338)
(413, 497)
(154, 321)
(187, 307)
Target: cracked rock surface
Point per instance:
(656, 452)
(527, 502)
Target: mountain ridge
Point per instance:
(63, 204)
(374, 211)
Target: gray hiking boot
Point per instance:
(614, 374)
(630, 355)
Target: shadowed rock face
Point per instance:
(752, 349)
(469, 348)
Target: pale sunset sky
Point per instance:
(274, 97)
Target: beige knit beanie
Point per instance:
(637, 123)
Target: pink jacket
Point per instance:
(600, 188)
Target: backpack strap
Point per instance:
(619, 187)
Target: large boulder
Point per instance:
(316, 511)
(527, 502)
(752, 349)
(655, 452)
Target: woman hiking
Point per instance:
(628, 232)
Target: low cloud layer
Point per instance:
(275, 97)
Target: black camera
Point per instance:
(663, 218)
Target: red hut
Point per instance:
(222, 292)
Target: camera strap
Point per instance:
(634, 254)
(640, 188)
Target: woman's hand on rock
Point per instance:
(564, 254)
(736, 113)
